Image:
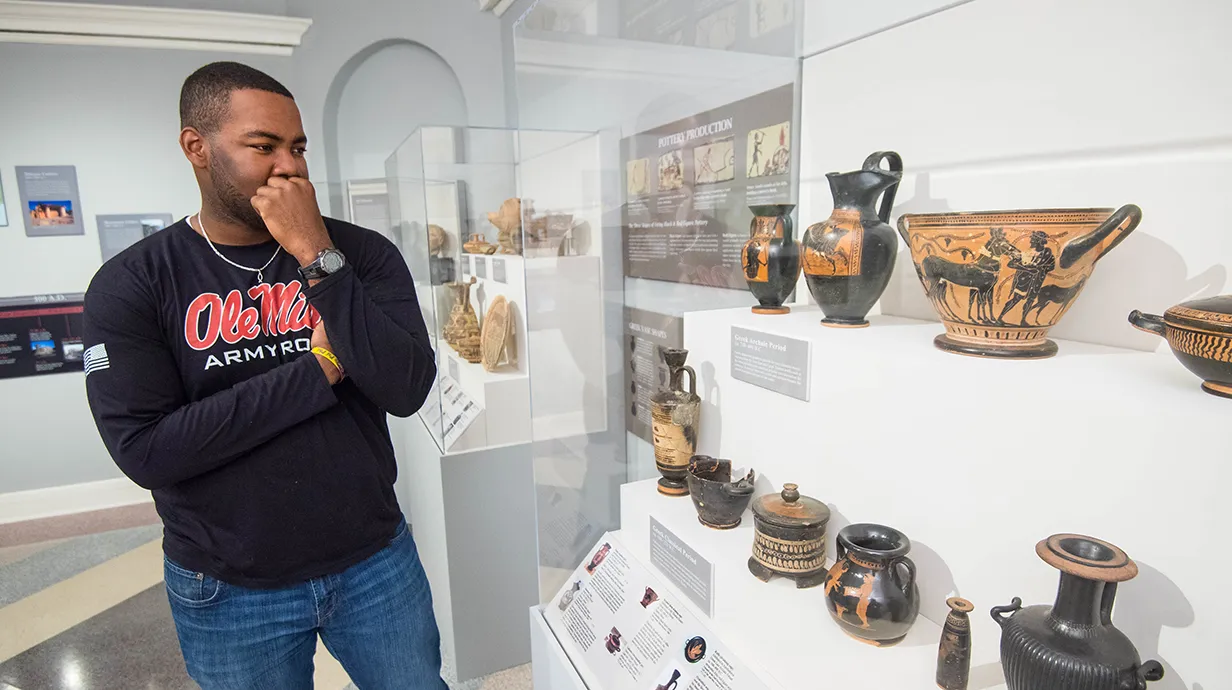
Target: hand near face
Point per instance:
(288, 205)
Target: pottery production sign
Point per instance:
(689, 185)
(773, 362)
(646, 333)
(623, 629)
(498, 271)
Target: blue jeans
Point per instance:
(375, 618)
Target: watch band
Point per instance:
(313, 271)
(317, 270)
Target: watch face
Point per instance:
(332, 261)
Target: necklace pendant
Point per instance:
(260, 278)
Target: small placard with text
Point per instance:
(774, 362)
(682, 566)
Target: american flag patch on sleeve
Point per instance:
(96, 359)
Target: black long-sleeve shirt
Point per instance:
(204, 390)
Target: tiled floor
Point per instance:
(90, 613)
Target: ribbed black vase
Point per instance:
(1072, 645)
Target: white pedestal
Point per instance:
(551, 668)
(976, 460)
(473, 518)
(785, 634)
(503, 395)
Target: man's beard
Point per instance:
(233, 203)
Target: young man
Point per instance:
(240, 364)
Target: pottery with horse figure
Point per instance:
(1000, 280)
(1200, 335)
(771, 258)
(848, 259)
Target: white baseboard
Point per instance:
(20, 506)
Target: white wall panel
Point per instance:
(1124, 102)
(829, 23)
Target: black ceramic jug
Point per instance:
(1072, 645)
(771, 258)
(849, 258)
(871, 590)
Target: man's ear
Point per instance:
(195, 147)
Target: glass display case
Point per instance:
(694, 106)
(477, 233)
(500, 231)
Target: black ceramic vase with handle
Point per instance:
(871, 590)
(849, 258)
(1072, 645)
(771, 258)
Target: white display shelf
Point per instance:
(503, 396)
(783, 633)
(977, 459)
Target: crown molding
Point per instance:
(65, 23)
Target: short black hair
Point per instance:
(206, 95)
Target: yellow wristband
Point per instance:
(330, 356)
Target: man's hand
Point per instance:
(289, 208)
(320, 339)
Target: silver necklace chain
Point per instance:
(259, 271)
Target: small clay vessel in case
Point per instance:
(789, 537)
(849, 258)
(720, 502)
(954, 653)
(771, 258)
(1072, 645)
(1200, 335)
(462, 331)
(674, 414)
(478, 245)
(871, 590)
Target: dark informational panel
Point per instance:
(40, 335)
(646, 333)
(689, 185)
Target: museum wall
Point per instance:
(64, 105)
(345, 35)
(1091, 120)
(1007, 104)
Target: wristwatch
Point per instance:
(327, 263)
